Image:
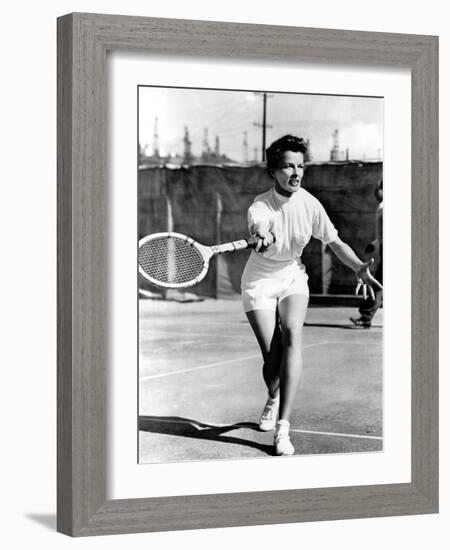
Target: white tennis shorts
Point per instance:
(266, 282)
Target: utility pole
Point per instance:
(264, 124)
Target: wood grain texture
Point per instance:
(64, 330)
(83, 199)
(425, 275)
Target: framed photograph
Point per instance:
(160, 386)
(201, 163)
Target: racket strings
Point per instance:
(170, 260)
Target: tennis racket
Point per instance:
(173, 260)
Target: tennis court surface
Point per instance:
(201, 390)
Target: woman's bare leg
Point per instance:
(265, 326)
(292, 312)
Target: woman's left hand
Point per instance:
(366, 281)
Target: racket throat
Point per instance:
(229, 247)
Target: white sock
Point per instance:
(283, 424)
(273, 400)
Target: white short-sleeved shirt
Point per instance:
(293, 220)
(277, 273)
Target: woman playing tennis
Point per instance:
(274, 282)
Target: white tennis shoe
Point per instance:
(269, 415)
(283, 445)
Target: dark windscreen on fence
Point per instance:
(210, 202)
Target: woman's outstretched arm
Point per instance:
(361, 269)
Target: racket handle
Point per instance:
(253, 241)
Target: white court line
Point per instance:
(209, 365)
(189, 333)
(210, 425)
(220, 363)
(337, 434)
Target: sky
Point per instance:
(228, 114)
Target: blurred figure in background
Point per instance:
(370, 304)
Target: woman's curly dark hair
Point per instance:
(274, 153)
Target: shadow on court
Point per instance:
(345, 327)
(185, 427)
(201, 390)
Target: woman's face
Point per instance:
(289, 173)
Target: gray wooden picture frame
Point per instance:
(83, 41)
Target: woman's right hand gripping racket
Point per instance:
(173, 260)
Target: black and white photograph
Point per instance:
(165, 381)
(260, 274)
